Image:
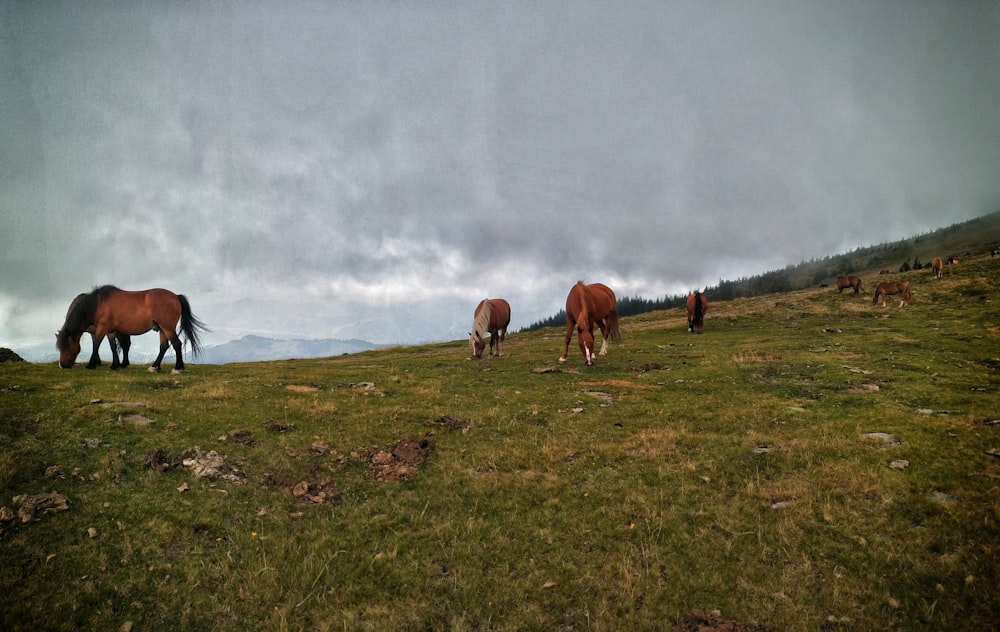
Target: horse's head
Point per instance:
(478, 343)
(586, 338)
(69, 348)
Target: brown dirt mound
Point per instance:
(698, 621)
(399, 462)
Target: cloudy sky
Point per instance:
(373, 169)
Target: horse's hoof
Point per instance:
(176, 371)
(562, 359)
(153, 369)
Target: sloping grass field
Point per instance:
(810, 462)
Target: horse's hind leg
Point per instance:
(113, 343)
(164, 343)
(125, 341)
(176, 342)
(604, 337)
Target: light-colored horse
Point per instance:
(492, 315)
(938, 267)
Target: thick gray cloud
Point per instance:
(315, 170)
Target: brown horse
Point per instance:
(586, 306)
(697, 305)
(850, 281)
(937, 267)
(492, 315)
(892, 287)
(110, 311)
(123, 340)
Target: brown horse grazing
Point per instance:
(892, 287)
(937, 266)
(123, 340)
(492, 315)
(697, 305)
(586, 306)
(110, 311)
(849, 281)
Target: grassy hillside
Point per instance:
(810, 462)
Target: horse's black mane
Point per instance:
(81, 314)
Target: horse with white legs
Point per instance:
(586, 306)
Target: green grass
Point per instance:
(725, 471)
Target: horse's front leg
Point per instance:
(95, 357)
(570, 325)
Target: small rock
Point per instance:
(900, 464)
(888, 439)
(139, 421)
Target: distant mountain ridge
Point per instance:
(246, 349)
(257, 348)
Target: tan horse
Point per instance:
(586, 306)
(697, 305)
(937, 266)
(892, 287)
(492, 315)
(849, 281)
(108, 310)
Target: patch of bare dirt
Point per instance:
(619, 383)
(303, 388)
(30, 505)
(208, 464)
(698, 621)
(651, 366)
(399, 462)
(242, 436)
(447, 422)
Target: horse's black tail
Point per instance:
(699, 308)
(190, 326)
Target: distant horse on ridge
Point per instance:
(697, 305)
(850, 281)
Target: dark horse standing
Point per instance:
(109, 311)
(697, 305)
(849, 281)
(586, 306)
(492, 315)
